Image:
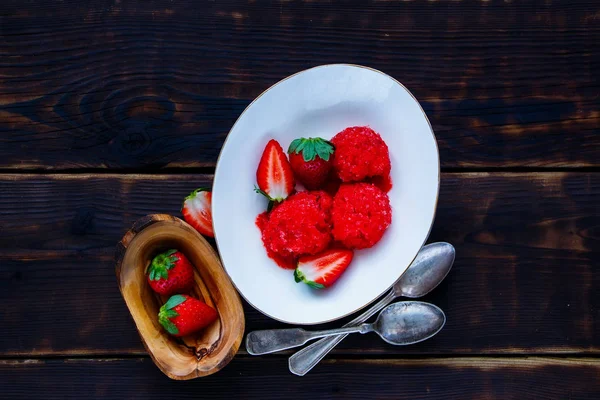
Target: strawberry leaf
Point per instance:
(294, 146)
(324, 148)
(174, 301)
(192, 195)
(301, 145)
(270, 205)
(311, 148)
(314, 285)
(309, 153)
(166, 312)
(161, 264)
(260, 191)
(169, 326)
(298, 276)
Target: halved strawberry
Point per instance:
(274, 174)
(197, 212)
(324, 269)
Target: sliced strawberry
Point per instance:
(324, 269)
(274, 174)
(197, 212)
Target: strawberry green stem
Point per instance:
(300, 277)
(161, 264)
(311, 148)
(167, 312)
(272, 201)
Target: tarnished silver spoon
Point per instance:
(429, 268)
(402, 323)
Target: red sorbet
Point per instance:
(360, 153)
(361, 213)
(382, 182)
(301, 225)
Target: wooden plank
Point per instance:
(141, 84)
(268, 378)
(524, 280)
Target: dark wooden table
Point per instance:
(113, 109)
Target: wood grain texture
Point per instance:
(202, 353)
(463, 378)
(144, 84)
(525, 278)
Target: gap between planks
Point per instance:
(481, 363)
(210, 170)
(362, 356)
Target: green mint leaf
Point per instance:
(174, 301)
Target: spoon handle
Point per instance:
(304, 360)
(272, 340)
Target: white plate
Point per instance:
(321, 102)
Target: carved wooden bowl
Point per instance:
(196, 355)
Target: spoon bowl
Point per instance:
(409, 322)
(427, 271)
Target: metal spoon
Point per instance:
(429, 268)
(402, 323)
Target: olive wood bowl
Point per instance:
(200, 354)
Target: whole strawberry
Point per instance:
(170, 272)
(182, 315)
(310, 160)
